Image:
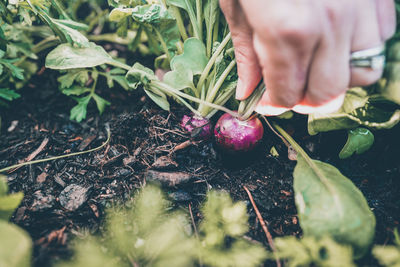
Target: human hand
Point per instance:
(302, 49)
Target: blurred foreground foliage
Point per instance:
(148, 231)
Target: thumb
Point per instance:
(249, 70)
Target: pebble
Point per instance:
(73, 197)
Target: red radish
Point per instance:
(198, 127)
(235, 135)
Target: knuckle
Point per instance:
(364, 77)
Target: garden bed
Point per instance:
(65, 198)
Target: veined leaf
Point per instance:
(75, 90)
(15, 247)
(101, 103)
(179, 78)
(66, 56)
(78, 112)
(79, 75)
(193, 58)
(160, 100)
(359, 140)
(358, 109)
(329, 204)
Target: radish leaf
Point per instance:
(66, 56)
(328, 203)
(193, 58)
(359, 140)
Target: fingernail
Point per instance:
(240, 90)
(270, 110)
(329, 107)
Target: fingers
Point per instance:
(329, 71)
(248, 68)
(366, 35)
(386, 13)
(284, 48)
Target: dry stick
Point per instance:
(264, 227)
(276, 133)
(62, 156)
(195, 231)
(33, 154)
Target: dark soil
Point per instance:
(66, 196)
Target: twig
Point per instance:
(62, 156)
(33, 154)
(195, 231)
(276, 133)
(264, 227)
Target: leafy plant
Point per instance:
(8, 202)
(15, 246)
(389, 256)
(309, 251)
(329, 204)
(149, 233)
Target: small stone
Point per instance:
(164, 163)
(73, 197)
(42, 202)
(41, 177)
(168, 178)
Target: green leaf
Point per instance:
(3, 186)
(8, 204)
(329, 204)
(358, 109)
(359, 140)
(162, 24)
(101, 103)
(388, 256)
(15, 246)
(78, 112)
(179, 78)
(8, 94)
(160, 100)
(66, 56)
(78, 75)
(75, 90)
(139, 74)
(309, 251)
(120, 13)
(194, 57)
(15, 71)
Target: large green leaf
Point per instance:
(329, 204)
(15, 246)
(179, 78)
(359, 140)
(358, 109)
(193, 58)
(66, 56)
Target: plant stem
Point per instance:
(247, 106)
(211, 94)
(118, 64)
(179, 22)
(212, 60)
(199, 18)
(193, 20)
(163, 44)
(169, 89)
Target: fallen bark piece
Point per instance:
(164, 163)
(42, 201)
(73, 197)
(168, 178)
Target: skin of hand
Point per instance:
(301, 48)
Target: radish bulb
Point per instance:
(198, 127)
(235, 135)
